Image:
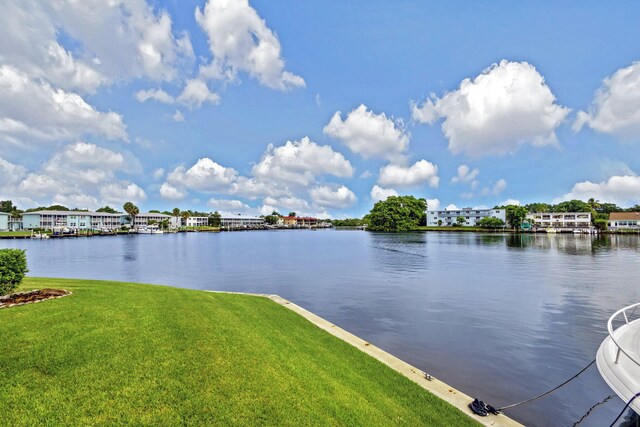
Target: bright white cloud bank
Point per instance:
(508, 105)
(400, 176)
(616, 106)
(240, 40)
(33, 109)
(621, 190)
(369, 134)
(81, 175)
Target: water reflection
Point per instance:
(500, 316)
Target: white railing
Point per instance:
(622, 311)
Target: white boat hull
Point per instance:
(618, 369)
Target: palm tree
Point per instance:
(132, 210)
(176, 214)
(185, 215)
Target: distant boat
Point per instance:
(150, 229)
(39, 236)
(551, 230)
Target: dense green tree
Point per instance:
(215, 219)
(348, 222)
(132, 210)
(607, 208)
(515, 215)
(107, 209)
(572, 206)
(164, 224)
(601, 223)
(461, 220)
(490, 222)
(154, 211)
(397, 213)
(6, 206)
(271, 219)
(539, 207)
(293, 214)
(634, 208)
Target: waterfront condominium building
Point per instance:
(73, 220)
(4, 221)
(197, 221)
(142, 219)
(240, 221)
(560, 219)
(624, 221)
(471, 216)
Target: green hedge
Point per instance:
(13, 266)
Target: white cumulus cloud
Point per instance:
(33, 109)
(168, 191)
(380, 194)
(155, 94)
(299, 162)
(616, 106)
(508, 105)
(369, 134)
(622, 190)
(205, 175)
(465, 174)
(240, 41)
(333, 196)
(196, 93)
(400, 176)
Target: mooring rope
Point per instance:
(482, 409)
(625, 408)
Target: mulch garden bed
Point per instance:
(38, 295)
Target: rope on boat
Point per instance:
(482, 409)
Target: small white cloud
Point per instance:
(178, 117)
(466, 175)
(155, 94)
(452, 207)
(380, 194)
(366, 174)
(433, 204)
(506, 106)
(616, 106)
(196, 93)
(333, 196)
(158, 174)
(417, 174)
(205, 175)
(369, 134)
(510, 202)
(168, 191)
(499, 187)
(117, 193)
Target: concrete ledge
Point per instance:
(436, 387)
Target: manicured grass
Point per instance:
(14, 233)
(121, 353)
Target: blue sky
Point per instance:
(318, 107)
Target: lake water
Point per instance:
(499, 317)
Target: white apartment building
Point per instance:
(142, 219)
(197, 221)
(560, 219)
(471, 216)
(73, 220)
(240, 221)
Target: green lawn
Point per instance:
(14, 233)
(121, 353)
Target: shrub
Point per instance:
(13, 266)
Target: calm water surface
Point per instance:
(499, 317)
